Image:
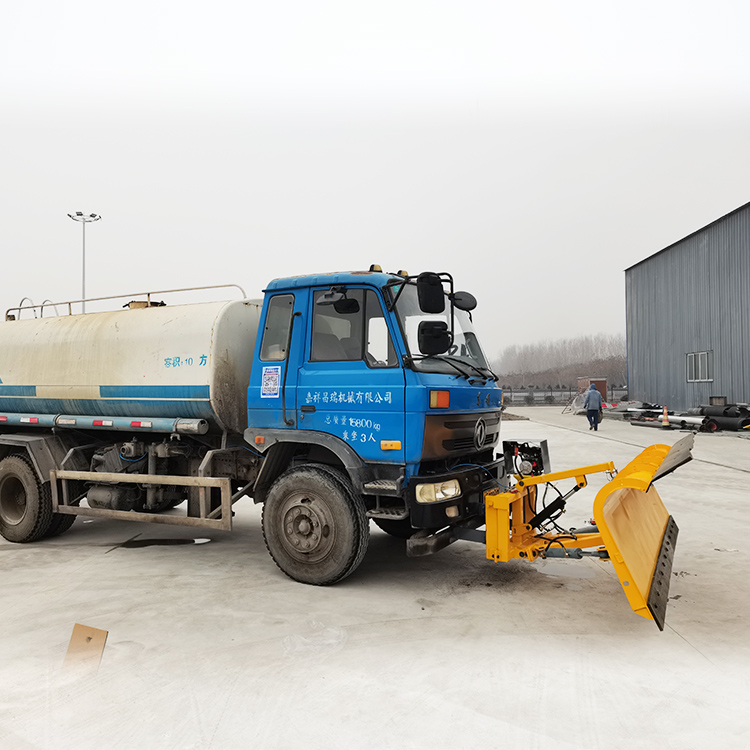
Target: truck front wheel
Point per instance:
(25, 503)
(314, 525)
(400, 528)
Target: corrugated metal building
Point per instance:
(688, 317)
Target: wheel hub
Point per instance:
(307, 528)
(12, 500)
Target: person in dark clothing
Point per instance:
(593, 404)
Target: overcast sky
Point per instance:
(534, 150)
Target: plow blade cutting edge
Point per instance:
(637, 530)
(633, 527)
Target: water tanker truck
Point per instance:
(338, 399)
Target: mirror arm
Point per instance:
(402, 282)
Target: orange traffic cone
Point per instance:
(664, 418)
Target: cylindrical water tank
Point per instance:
(189, 361)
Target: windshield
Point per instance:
(465, 356)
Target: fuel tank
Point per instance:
(189, 361)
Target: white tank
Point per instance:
(189, 361)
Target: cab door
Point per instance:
(272, 393)
(351, 384)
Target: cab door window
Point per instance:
(379, 351)
(276, 331)
(351, 329)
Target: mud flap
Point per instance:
(637, 530)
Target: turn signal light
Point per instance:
(440, 399)
(390, 445)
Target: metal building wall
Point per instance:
(693, 296)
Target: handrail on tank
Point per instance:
(48, 302)
(27, 307)
(9, 313)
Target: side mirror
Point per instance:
(341, 303)
(464, 301)
(433, 337)
(430, 293)
(346, 306)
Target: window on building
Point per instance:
(700, 367)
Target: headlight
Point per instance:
(434, 493)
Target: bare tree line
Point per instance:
(560, 362)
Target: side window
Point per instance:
(337, 328)
(276, 331)
(351, 329)
(379, 351)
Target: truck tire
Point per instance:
(314, 525)
(25, 502)
(399, 528)
(61, 522)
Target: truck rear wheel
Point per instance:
(25, 502)
(61, 522)
(315, 526)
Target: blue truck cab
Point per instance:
(378, 380)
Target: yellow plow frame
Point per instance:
(633, 527)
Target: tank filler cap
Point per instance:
(139, 304)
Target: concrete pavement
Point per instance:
(210, 646)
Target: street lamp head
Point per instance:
(85, 218)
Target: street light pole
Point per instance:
(84, 219)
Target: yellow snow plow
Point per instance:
(632, 527)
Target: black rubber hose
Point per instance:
(730, 423)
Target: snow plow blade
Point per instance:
(633, 528)
(638, 532)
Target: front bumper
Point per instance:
(474, 480)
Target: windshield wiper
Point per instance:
(491, 375)
(480, 370)
(450, 360)
(454, 363)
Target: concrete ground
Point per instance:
(210, 646)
